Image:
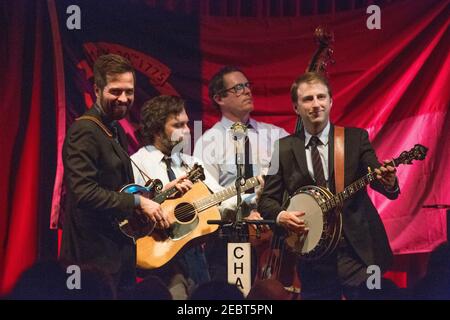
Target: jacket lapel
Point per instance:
(123, 154)
(298, 148)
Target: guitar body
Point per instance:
(186, 223)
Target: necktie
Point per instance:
(317, 162)
(170, 172)
(248, 167)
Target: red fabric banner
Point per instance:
(392, 81)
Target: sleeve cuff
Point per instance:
(137, 201)
(277, 220)
(393, 189)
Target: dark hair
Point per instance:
(308, 77)
(216, 290)
(47, 280)
(217, 84)
(151, 288)
(154, 114)
(110, 64)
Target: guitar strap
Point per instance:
(110, 135)
(98, 123)
(339, 141)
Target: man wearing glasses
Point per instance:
(230, 92)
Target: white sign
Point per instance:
(239, 266)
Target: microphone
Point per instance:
(239, 132)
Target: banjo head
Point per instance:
(306, 201)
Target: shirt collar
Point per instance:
(227, 123)
(158, 155)
(323, 135)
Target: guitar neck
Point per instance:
(194, 175)
(225, 194)
(338, 199)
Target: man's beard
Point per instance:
(113, 110)
(171, 146)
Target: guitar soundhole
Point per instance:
(184, 212)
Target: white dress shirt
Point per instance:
(217, 150)
(151, 160)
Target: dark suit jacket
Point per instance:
(362, 225)
(95, 170)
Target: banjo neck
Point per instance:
(338, 199)
(324, 224)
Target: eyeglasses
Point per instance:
(237, 89)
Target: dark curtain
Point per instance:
(27, 142)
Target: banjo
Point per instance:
(323, 211)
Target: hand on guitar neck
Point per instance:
(386, 174)
(182, 183)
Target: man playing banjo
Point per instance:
(307, 158)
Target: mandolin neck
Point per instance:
(164, 195)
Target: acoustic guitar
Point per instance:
(138, 224)
(188, 218)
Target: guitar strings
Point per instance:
(187, 211)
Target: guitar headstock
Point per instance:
(419, 152)
(196, 173)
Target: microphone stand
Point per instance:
(238, 227)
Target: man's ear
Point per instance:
(295, 108)
(218, 99)
(97, 91)
(331, 102)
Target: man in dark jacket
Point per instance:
(96, 166)
(306, 158)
